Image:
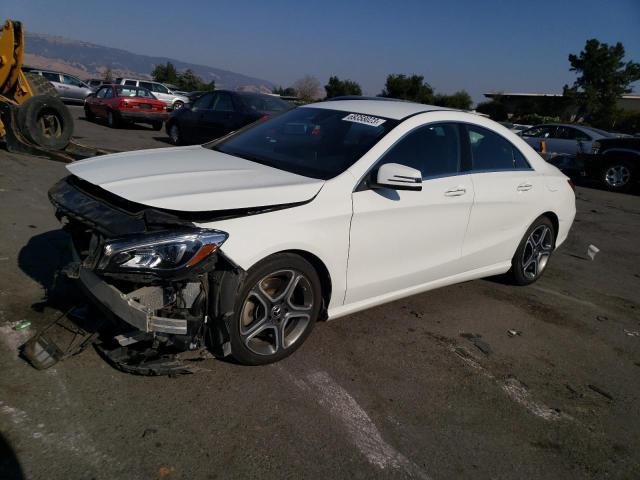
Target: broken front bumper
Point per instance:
(128, 307)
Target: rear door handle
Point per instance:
(524, 187)
(455, 192)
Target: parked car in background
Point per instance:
(69, 88)
(562, 138)
(514, 127)
(120, 103)
(614, 162)
(319, 212)
(94, 83)
(219, 112)
(161, 92)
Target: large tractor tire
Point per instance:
(46, 122)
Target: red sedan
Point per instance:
(121, 103)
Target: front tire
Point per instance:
(175, 135)
(46, 122)
(88, 114)
(533, 253)
(617, 176)
(275, 311)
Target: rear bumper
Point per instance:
(143, 116)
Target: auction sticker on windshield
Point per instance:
(364, 119)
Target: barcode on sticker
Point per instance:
(364, 119)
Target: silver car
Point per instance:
(563, 139)
(160, 91)
(70, 88)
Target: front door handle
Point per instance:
(524, 187)
(455, 192)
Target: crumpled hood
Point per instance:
(194, 179)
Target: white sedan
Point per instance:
(319, 212)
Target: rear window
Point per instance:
(134, 92)
(314, 142)
(263, 103)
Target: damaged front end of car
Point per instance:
(163, 278)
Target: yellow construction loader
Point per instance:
(33, 119)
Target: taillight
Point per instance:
(595, 147)
(263, 117)
(123, 103)
(572, 185)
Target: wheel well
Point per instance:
(554, 221)
(323, 273)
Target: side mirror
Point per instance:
(398, 177)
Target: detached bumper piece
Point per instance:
(147, 358)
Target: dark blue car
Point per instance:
(219, 112)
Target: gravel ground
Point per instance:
(398, 391)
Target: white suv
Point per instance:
(161, 92)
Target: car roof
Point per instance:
(387, 108)
(594, 130)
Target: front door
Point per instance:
(402, 239)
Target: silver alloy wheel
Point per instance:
(276, 312)
(174, 134)
(617, 176)
(537, 251)
(177, 104)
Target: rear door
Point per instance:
(507, 190)
(221, 118)
(75, 88)
(570, 141)
(403, 239)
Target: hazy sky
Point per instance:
(475, 45)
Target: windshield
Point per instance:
(264, 103)
(134, 92)
(314, 142)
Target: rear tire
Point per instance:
(46, 122)
(617, 176)
(533, 253)
(113, 120)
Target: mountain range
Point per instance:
(87, 60)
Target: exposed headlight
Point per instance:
(161, 252)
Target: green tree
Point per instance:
(405, 87)
(338, 88)
(603, 76)
(190, 82)
(165, 73)
(460, 100)
(285, 92)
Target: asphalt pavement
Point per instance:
(432, 386)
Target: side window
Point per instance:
(538, 132)
(52, 77)
(432, 149)
(490, 151)
(569, 133)
(223, 103)
(69, 80)
(159, 88)
(147, 85)
(108, 93)
(204, 102)
(130, 83)
(102, 92)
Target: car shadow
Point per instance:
(166, 140)
(41, 259)
(10, 468)
(123, 126)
